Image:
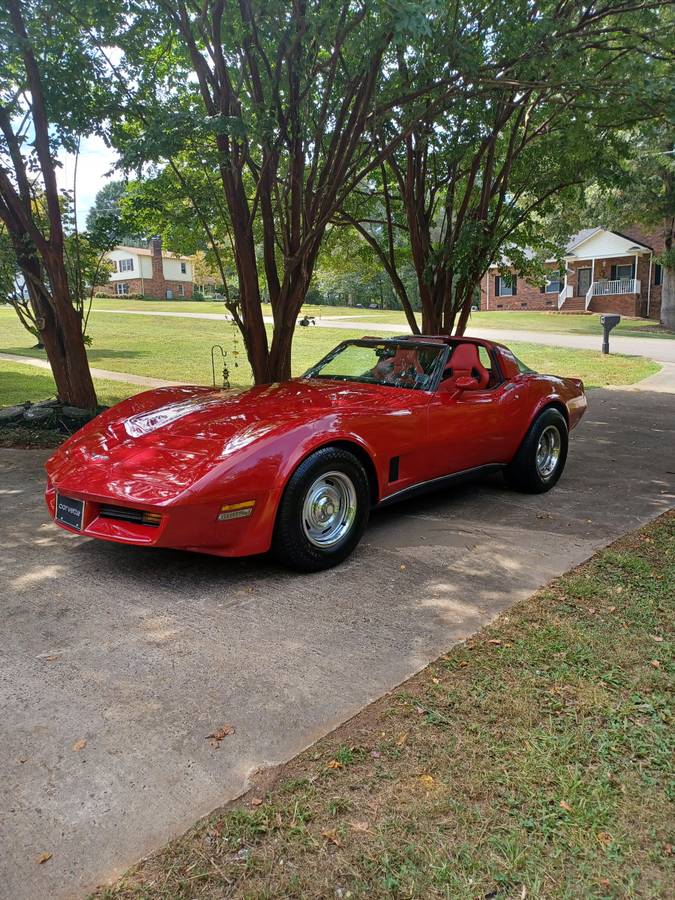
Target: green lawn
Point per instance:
(19, 383)
(512, 321)
(180, 350)
(532, 761)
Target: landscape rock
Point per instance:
(11, 414)
(38, 413)
(74, 412)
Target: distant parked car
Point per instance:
(297, 466)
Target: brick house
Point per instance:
(605, 271)
(149, 271)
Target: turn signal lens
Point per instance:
(151, 518)
(236, 510)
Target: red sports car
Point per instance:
(296, 467)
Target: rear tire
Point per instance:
(323, 512)
(540, 460)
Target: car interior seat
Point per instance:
(464, 362)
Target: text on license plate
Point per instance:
(69, 511)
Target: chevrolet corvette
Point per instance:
(296, 467)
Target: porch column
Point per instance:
(636, 271)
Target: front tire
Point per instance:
(323, 512)
(540, 460)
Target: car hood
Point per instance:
(155, 446)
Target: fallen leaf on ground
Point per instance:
(657, 638)
(403, 568)
(359, 826)
(51, 658)
(565, 806)
(331, 836)
(79, 745)
(219, 734)
(43, 858)
(256, 801)
(427, 780)
(436, 680)
(494, 641)
(401, 739)
(334, 764)
(655, 664)
(604, 838)
(463, 664)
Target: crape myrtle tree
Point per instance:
(49, 96)
(286, 98)
(494, 173)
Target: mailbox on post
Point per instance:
(608, 322)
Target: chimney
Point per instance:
(157, 267)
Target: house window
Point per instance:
(121, 288)
(127, 265)
(506, 286)
(181, 290)
(183, 268)
(657, 273)
(553, 285)
(621, 273)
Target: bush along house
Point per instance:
(148, 272)
(605, 271)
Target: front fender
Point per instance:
(261, 472)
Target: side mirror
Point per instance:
(466, 383)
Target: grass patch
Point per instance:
(180, 350)
(554, 322)
(532, 761)
(19, 383)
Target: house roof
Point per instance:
(575, 244)
(581, 237)
(146, 251)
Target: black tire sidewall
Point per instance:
(523, 473)
(290, 543)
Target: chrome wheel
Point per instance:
(548, 451)
(329, 509)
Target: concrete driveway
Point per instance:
(143, 653)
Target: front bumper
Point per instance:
(182, 526)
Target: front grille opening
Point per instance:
(126, 514)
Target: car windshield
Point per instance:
(389, 363)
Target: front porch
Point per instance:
(607, 272)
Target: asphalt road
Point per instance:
(143, 653)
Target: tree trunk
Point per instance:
(63, 341)
(668, 298)
(668, 270)
(59, 327)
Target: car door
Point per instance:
(470, 428)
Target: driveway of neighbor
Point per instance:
(143, 653)
(660, 349)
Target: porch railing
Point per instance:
(566, 292)
(619, 286)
